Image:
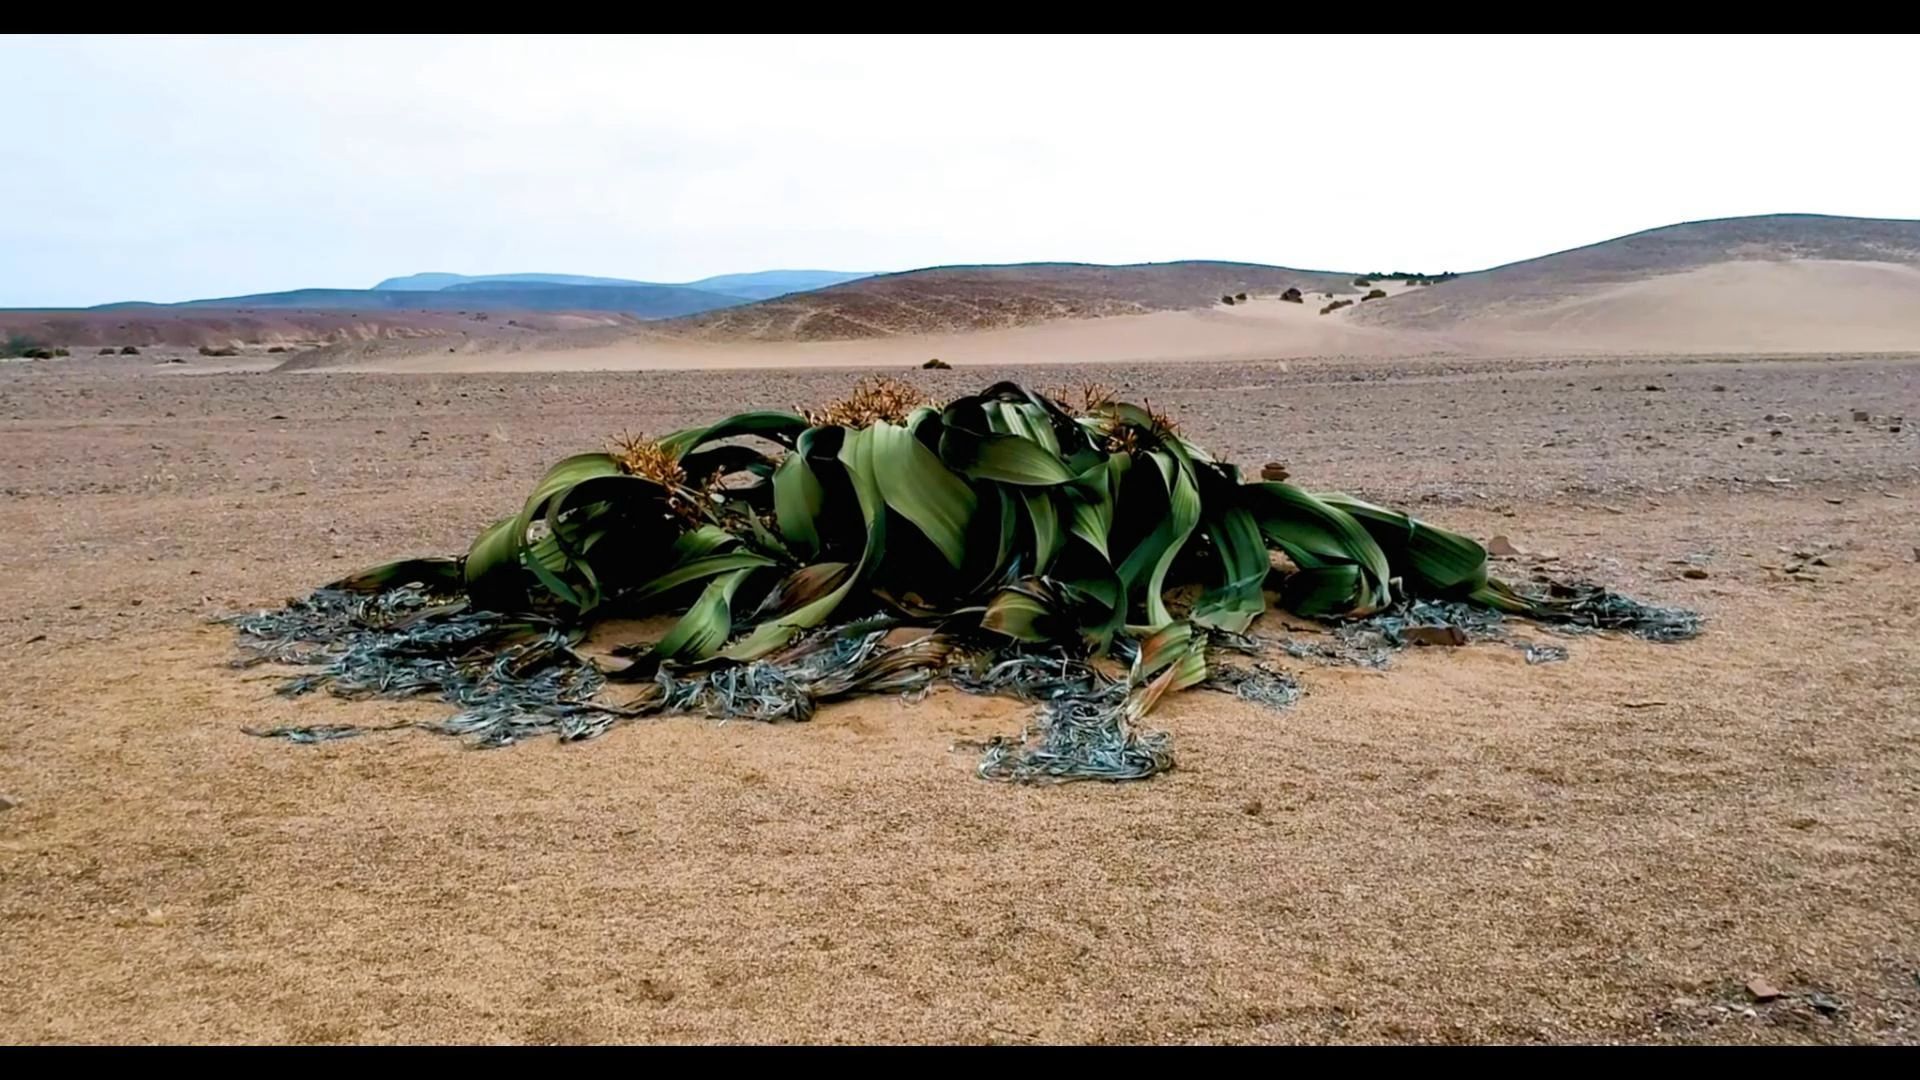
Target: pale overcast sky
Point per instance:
(176, 168)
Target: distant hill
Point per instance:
(159, 327)
(959, 298)
(429, 304)
(486, 310)
(758, 285)
(639, 301)
(766, 284)
(432, 282)
(1779, 281)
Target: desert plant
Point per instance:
(37, 353)
(1375, 294)
(106, 350)
(223, 350)
(1362, 283)
(1292, 296)
(1335, 306)
(61, 352)
(1226, 299)
(129, 350)
(277, 348)
(999, 512)
(1241, 297)
(937, 364)
(1027, 534)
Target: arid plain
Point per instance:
(1462, 847)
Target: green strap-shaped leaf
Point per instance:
(722, 460)
(495, 562)
(696, 569)
(782, 427)
(1008, 459)
(704, 540)
(915, 485)
(797, 502)
(437, 574)
(569, 472)
(1160, 649)
(707, 624)
(1318, 536)
(1145, 568)
(1237, 599)
(1179, 658)
(1022, 613)
(1429, 560)
(546, 560)
(1004, 536)
(494, 577)
(1321, 591)
(1045, 520)
(571, 513)
(856, 454)
(1093, 496)
(1026, 420)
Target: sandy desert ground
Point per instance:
(1463, 847)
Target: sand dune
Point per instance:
(1778, 282)
(1257, 330)
(973, 298)
(1747, 306)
